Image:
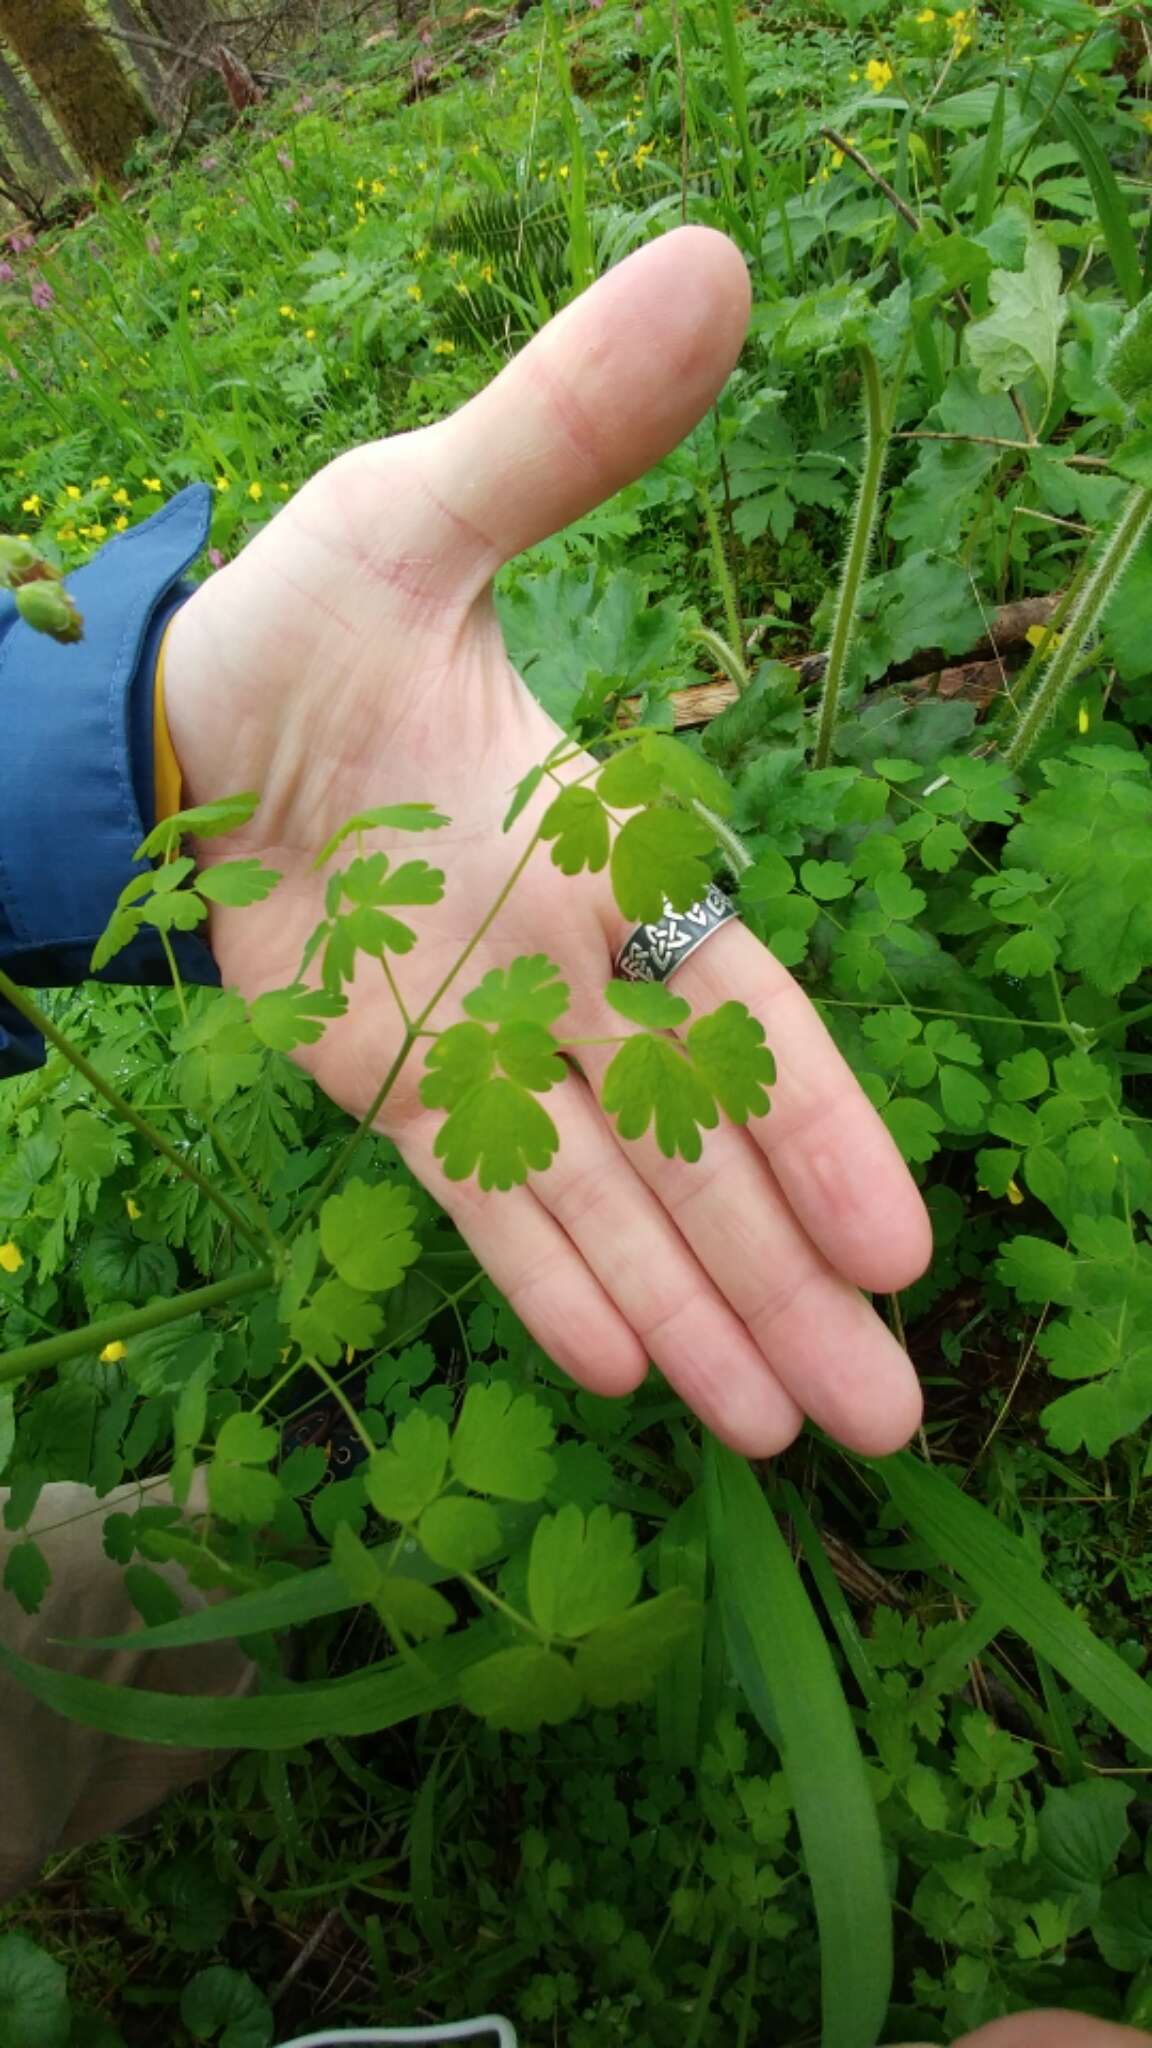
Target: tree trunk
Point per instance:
(142, 57)
(35, 139)
(100, 110)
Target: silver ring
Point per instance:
(653, 952)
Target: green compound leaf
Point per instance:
(237, 882)
(461, 1059)
(658, 855)
(529, 991)
(498, 1132)
(27, 1575)
(336, 1316)
(529, 1055)
(651, 1080)
(629, 778)
(460, 1534)
(287, 1017)
(621, 1660)
(647, 1003)
(238, 1487)
(578, 823)
(364, 1234)
(581, 1573)
(521, 1690)
(207, 821)
(409, 1608)
(402, 1479)
(500, 1443)
(388, 818)
(728, 1052)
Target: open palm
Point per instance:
(352, 657)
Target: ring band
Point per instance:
(653, 952)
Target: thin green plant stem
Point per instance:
(28, 1358)
(343, 1403)
(1099, 587)
(856, 558)
(724, 583)
(40, 1020)
(263, 1224)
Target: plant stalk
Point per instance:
(856, 559)
(29, 1358)
(1092, 601)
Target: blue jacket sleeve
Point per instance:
(76, 767)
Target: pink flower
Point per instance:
(19, 242)
(216, 558)
(291, 205)
(303, 103)
(209, 163)
(6, 273)
(284, 160)
(42, 295)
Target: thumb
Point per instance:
(613, 383)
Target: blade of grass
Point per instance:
(970, 1541)
(1111, 210)
(831, 1593)
(785, 1668)
(682, 1561)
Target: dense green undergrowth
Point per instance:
(626, 1838)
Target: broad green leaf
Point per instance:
(1020, 334)
(500, 1444)
(577, 823)
(530, 991)
(581, 1573)
(237, 882)
(385, 818)
(364, 1234)
(1122, 1923)
(382, 1698)
(337, 1316)
(34, 2007)
(460, 1534)
(1038, 1270)
(459, 1060)
(402, 1479)
(500, 1133)
(224, 2005)
(91, 1148)
(970, 1541)
(648, 1003)
(1080, 1833)
(409, 1608)
(529, 1056)
(780, 1656)
(207, 821)
(659, 856)
(727, 1049)
(622, 1659)
(652, 1081)
(521, 1689)
(284, 1018)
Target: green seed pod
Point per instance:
(1129, 365)
(48, 608)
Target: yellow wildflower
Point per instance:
(601, 157)
(284, 489)
(287, 312)
(67, 532)
(133, 1208)
(414, 292)
(378, 187)
(255, 492)
(487, 272)
(222, 484)
(361, 210)
(853, 78)
(120, 496)
(11, 1257)
(1083, 721)
(562, 171)
(72, 491)
(121, 522)
(360, 185)
(443, 348)
(195, 292)
(878, 72)
(1044, 637)
(31, 504)
(113, 1353)
(1015, 1195)
(309, 334)
(641, 155)
(153, 483)
(84, 363)
(98, 532)
(100, 483)
(926, 16)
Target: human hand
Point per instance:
(351, 657)
(1051, 2030)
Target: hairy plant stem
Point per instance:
(724, 581)
(29, 1358)
(1092, 599)
(39, 1019)
(856, 559)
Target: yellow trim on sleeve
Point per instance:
(168, 779)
